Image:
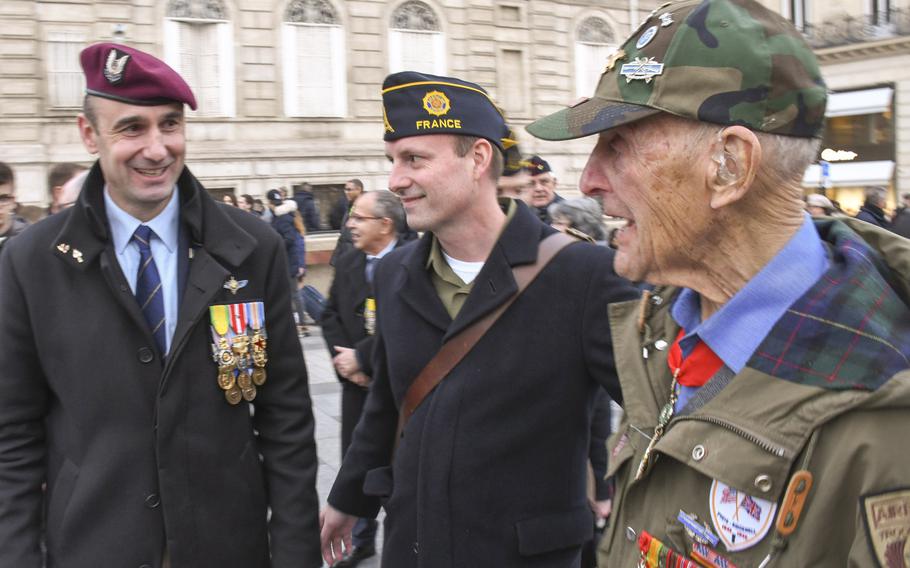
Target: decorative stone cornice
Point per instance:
(868, 50)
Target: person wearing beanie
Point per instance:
(766, 377)
(154, 406)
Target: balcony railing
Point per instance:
(848, 29)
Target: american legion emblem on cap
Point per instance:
(417, 104)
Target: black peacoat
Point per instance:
(491, 469)
(141, 454)
(342, 320)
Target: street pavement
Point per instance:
(325, 391)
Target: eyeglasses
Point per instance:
(362, 218)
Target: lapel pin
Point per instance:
(643, 68)
(614, 57)
(63, 247)
(233, 284)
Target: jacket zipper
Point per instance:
(758, 441)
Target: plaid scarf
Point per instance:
(849, 331)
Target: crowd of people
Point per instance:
(154, 393)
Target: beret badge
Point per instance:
(436, 103)
(113, 68)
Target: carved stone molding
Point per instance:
(197, 9)
(595, 30)
(311, 12)
(415, 15)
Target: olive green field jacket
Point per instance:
(833, 400)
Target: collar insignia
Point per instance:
(63, 247)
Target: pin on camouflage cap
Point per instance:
(720, 61)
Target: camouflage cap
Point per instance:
(720, 61)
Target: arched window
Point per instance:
(594, 42)
(315, 83)
(416, 41)
(198, 43)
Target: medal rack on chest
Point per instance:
(239, 348)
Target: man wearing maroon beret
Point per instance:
(153, 394)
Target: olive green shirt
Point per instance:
(450, 288)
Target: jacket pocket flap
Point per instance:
(378, 482)
(554, 532)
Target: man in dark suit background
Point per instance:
(349, 324)
(138, 326)
(491, 468)
(353, 188)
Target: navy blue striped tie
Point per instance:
(148, 288)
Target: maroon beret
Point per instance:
(131, 76)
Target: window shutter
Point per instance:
(590, 61)
(65, 81)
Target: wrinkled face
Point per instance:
(516, 186)
(543, 188)
(435, 185)
(7, 205)
(369, 232)
(648, 175)
(141, 150)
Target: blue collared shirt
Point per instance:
(371, 266)
(736, 330)
(166, 226)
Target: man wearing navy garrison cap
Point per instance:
(490, 469)
(138, 329)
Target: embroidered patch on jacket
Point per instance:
(741, 520)
(887, 520)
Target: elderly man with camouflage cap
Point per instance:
(765, 380)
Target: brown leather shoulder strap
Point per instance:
(454, 350)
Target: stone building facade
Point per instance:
(289, 89)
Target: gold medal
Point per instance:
(240, 345)
(243, 380)
(260, 359)
(249, 394)
(226, 360)
(226, 379)
(233, 395)
(258, 377)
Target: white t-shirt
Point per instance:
(467, 271)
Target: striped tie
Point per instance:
(148, 288)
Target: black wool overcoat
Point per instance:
(491, 469)
(140, 454)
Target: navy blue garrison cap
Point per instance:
(416, 104)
